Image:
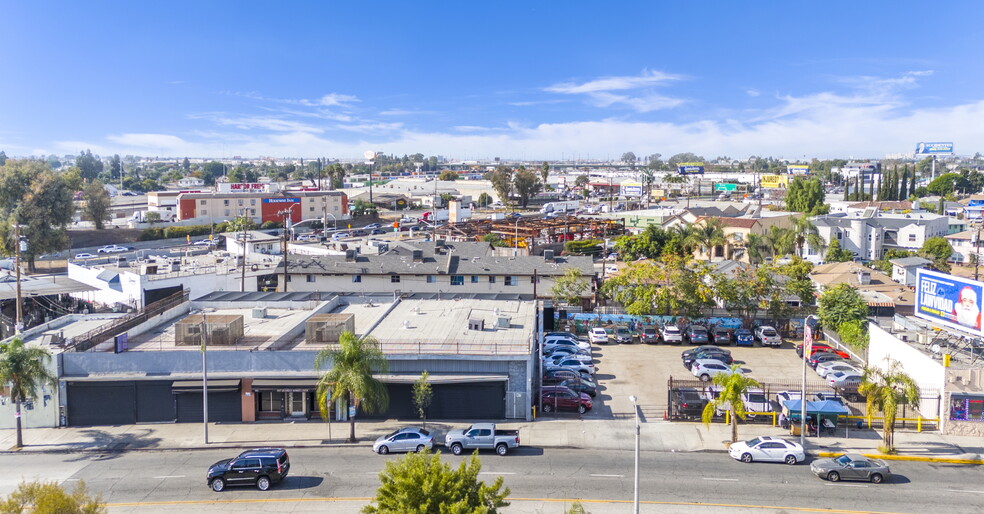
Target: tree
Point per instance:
(97, 203)
(674, 285)
(885, 391)
(34, 197)
(152, 217)
(24, 370)
(806, 196)
(212, 170)
(420, 483)
(648, 176)
(629, 158)
(423, 394)
(733, 387)
(757, 248)
(805, 232)
(484, 199)
(912, 182)
(938, 250)
(837, 254)
(448, 175)
(841, 304)
(3, 158)
(945, 184)
(352, 362)
(501, 180)
(89, 166)
(186, 165)
(903, 182)
(683, 157)
(581, 181)
(708, 235)
(527, 185)
(49, 497)
(571, 287)
(780, 240)
(544, 171)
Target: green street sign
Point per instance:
(726, 187)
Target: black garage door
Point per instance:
(486, 400)
(88, 402)
(225, 406)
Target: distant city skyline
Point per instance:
(518, 81)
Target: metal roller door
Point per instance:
(155, 402)
(223, 406)
(469, 401)
(102, 403)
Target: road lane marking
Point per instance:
(848, 485)
(171, 476)
(608, 476)
(495, 473)
(721, 479)
(965, 491)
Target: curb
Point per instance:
(909, 458)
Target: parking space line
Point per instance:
(965, 491)
(721, 479)
(848, 485)
(171, 476)
(606, 476)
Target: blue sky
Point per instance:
(477, 80)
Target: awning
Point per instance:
(276, 384)
(441, 379)
(214, 386)
(826, 408)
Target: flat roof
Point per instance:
(258, 334)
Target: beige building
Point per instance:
(263, 206)
(736, 232)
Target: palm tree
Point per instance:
(886, 390)
(353, 362)
(733, 386)
(757, 248)
(708, 236)
(683, 233)
(780, 240)
(24, 369)
(805, 232)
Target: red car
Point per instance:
(822, 348)
(563, 398)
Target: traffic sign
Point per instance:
(725, 187)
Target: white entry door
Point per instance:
(296, 404)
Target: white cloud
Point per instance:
(162, 141)
(329, 100)
(271, 123)
(599, 91)
(752, 92)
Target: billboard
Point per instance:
(774, 181)
(798, 169)
(934, 148)
(690, 168)
(631, 188)
(949, 301)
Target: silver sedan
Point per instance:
(410, 439)
(851, 467)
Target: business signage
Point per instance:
(690, 168)
(934, 148)
(281, 200)
(774, 181)
(725, 187)
(631, 189)
(949, 301)
(798, 169)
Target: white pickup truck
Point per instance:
(481, 436)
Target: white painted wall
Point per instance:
(928, 373)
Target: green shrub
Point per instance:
(583, 247)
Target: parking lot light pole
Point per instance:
(635, 494)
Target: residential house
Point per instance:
(885, 297)
(904, 269)
(870, 233)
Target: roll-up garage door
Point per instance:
(89, 403)
(155, 402)
(482, 400)
(222, 406)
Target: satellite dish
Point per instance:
(369, 154)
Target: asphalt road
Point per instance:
(343, 480)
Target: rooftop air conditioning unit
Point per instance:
(476, 324)
(502, 322)
(259, 313)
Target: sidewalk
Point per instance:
(656, 436)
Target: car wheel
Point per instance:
(746, 458)
(383, 450)
(877, 478)
(791, 460)
(833, 476)
(581, 409)
(501, 449)
(420, 448)
(705, 378)
(547, 407)
(456, 448)
(218, 485)
(263, 483)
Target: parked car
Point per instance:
(482, 436)
(555, 375)
(822, 357)
(672, 334)
(113, 249)
(768, 336)
(696, 334)
(84, 255)
(783, 396)
(565, 350)
(339, 235)
(706, 369)
(756, 401)
(703, 348)
(843, 379)
(581, 386)
(554, 359)
(410, 439)
(721, 336)
(572, 364)
(649, 335)
(598, 335)
(851, 467)
(372, 226)
(822, 397)
(203, 242)
(721, 357)
(550, 343)
(622, 335)
(567, 335)
(822, 349)
(767, 449)
(688, 404)
(563, 398)
(744, 337)
(825, 368)
(261, 467)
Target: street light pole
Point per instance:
(204, 378)
(635, 494)
(19, 321)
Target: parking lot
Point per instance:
(644, 370)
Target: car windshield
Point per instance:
(622, 331)
(843, 460)
(743, 332)
(753, 442)
(769, 332)
(757, 398)
(672, 330)
(649, 331)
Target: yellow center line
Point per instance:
(545, 500)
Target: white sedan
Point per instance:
(84, 255)
(707, 369)
(845, 379)
(767, 449)
(113, 249)
(598, 336)
(826, 368)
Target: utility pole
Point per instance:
(242, 285)
(204, 378)
(977, 255)
(19, 322)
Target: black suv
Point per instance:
(260, 467)
(688, 404)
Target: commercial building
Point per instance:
(263, 206)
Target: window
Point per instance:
(431, 279)
(394, 279)
(356, 278)
(240, 202)
(204, 212)
(840, 235)
(252, 201)
(227, 212)
(457, 280)
(491, 279)
(310, 278)
(508, 280)
(269, 401)
(912, 238)
(202, 202)
(225, 202)
(474, 279)
(312, 208)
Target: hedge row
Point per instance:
(172, 232)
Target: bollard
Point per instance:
(919, 423)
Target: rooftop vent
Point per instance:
(864, 278)
(418, 255)
(476, 324)
(548, 255)
(502, 322)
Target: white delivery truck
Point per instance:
(566, 206)
(142, 216)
